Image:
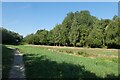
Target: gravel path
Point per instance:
(18, 69)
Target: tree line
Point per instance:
(10, 37)
(80, 29)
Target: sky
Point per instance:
(28, 17)
(60, 0)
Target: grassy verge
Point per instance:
(7, 59)
(43, 63)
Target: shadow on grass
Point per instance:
(42, 67)
(7, 60)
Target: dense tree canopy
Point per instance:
(80, 29)
(10, 37)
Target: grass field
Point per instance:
(63, 62)
(7, 59)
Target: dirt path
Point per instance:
(18, 69)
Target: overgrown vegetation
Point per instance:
(43, 63)
(7, 59)
(80, 29)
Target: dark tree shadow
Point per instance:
(43, 68)
(7, 60)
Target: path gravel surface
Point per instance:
(18, 69)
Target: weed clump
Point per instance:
(83, 54)
(71, 52)
(60, 50)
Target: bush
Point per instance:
(23, 43)
(78, 44)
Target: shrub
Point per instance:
(78, 44)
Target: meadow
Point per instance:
(65, 44)
(66, 62)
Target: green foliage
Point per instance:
(80, 29)
(78, 44)
(56, 35)
(74, 33)
(113, 34)
(84, 32)
(29, 39)
(9, 37)
(95, 37)
(40, 37)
